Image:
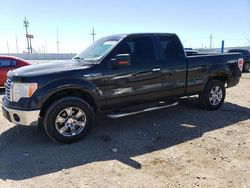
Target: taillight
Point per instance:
(241, 64)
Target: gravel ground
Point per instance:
(184, 146)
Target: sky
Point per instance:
(192, 20)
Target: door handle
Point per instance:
(156, 69)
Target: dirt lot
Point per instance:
(179, 147)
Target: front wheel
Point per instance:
(246, 67)
(68, 120)
(213, 96)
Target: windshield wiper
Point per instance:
(89, 60)
(78, 58)
(85, 60)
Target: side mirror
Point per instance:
(121, 60)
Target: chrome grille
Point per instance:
(8, 86)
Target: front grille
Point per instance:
(8, 86)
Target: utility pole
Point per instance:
(211, 41)
(16, 45)
(8, 49)
(31, 51)
(57, 42)
(93, 34)
(30, 46)
(248, 42)
(26, 25)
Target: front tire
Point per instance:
(246, 67)
(68, 120)
(213, 96)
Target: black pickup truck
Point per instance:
(118, 75)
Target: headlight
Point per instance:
(23, 90)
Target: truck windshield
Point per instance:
(97, 50)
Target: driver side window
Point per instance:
(141, 50)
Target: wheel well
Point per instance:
(222, 79)
(69, 92)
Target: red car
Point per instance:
(9, 63)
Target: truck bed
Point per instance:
(199, 68)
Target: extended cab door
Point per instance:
(173, 66)
(138, 82)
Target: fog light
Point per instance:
(16, 117)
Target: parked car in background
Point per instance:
(246, 57)
(191, 52)
(9, 63)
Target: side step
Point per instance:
(123, 114)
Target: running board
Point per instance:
(121, 114)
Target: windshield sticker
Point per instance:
(109, 42)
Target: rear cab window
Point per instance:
(169, 47)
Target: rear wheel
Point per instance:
(68, 120)
(246, 67)
(213, 96)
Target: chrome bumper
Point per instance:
(25, 117)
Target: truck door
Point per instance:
(138, 82)
(173, 66)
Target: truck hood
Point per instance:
(49, 68)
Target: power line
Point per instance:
(217, 38)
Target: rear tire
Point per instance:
(246, 67)
(68, 120)
(213, 96)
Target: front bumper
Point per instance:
(21, 117)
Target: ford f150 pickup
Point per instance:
(118, 75)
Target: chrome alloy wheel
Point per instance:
(70, 121)
(215, 96)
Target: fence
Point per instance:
(50, 56)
